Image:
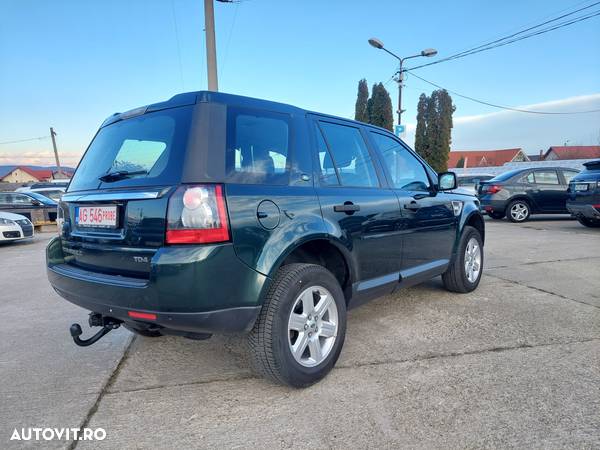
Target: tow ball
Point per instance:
(95, 320)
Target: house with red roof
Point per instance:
(24, 174)
(572, 152)
(485, 158)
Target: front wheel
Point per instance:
(466, 268)
(592, 223)
(300, 331)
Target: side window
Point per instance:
(328, 173)
(20, 199)
(528, 178)
(406, 171)
(257, 147)
(349, 155)
(546, 177)
(569, 174)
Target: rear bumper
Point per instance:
(582, 210)
(198, 289)
(489, 205)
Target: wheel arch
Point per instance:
(475, 220)
(522, 197)
(324, 251)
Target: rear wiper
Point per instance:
(120, 175)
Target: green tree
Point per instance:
(380, 107)
(461, 163)
(361, 112)
(434, 135)
(445, 124)
(421, 144)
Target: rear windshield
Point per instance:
(151, 146)
(506, 175)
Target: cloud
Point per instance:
(38, 158)
(532, 132)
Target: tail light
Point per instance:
(197, 215)
(493, 189)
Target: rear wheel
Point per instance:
(518, 211)
(496, 215)
(300, 331)
(592, 223)
(466, 268)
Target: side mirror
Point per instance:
(447, 181)
(36, 202)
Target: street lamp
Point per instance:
(428, 52)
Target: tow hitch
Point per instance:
(96, 320)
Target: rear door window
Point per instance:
(348, 157)
(258, 147)
(152, 145)
(546, 177)
(569, 174)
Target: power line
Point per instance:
(524, 31)
(509, 108)
(177, 41)
(25, 140)
(237, 5)
(515, 36)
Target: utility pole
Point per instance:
(400, 81)
(53, 135)
(211, 50)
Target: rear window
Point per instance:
(258, 147)
(506, 175)
(151, 145)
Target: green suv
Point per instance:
(215, 213)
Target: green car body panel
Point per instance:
(219, 287)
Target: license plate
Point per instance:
(96, 216)
(581, 187)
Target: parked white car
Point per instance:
(471, 182)
(14, 227)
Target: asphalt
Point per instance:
(514, 364)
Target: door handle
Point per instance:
(348, 208)
(413, 206)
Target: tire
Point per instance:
(518, 211)
(456, 278)
(497, 215)
(142, 332)
(271, 339)
(589, 222)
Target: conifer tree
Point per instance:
(360, 110)
(380, 111)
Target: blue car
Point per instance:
(584, 195)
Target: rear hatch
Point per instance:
(114, 212)
(584, 188)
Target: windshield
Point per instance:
(149, 146)
(41, 198)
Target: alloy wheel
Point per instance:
(312, 326)
(472, 260)
(519, 212)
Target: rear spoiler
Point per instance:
(592, 164)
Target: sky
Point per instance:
(69, 64)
